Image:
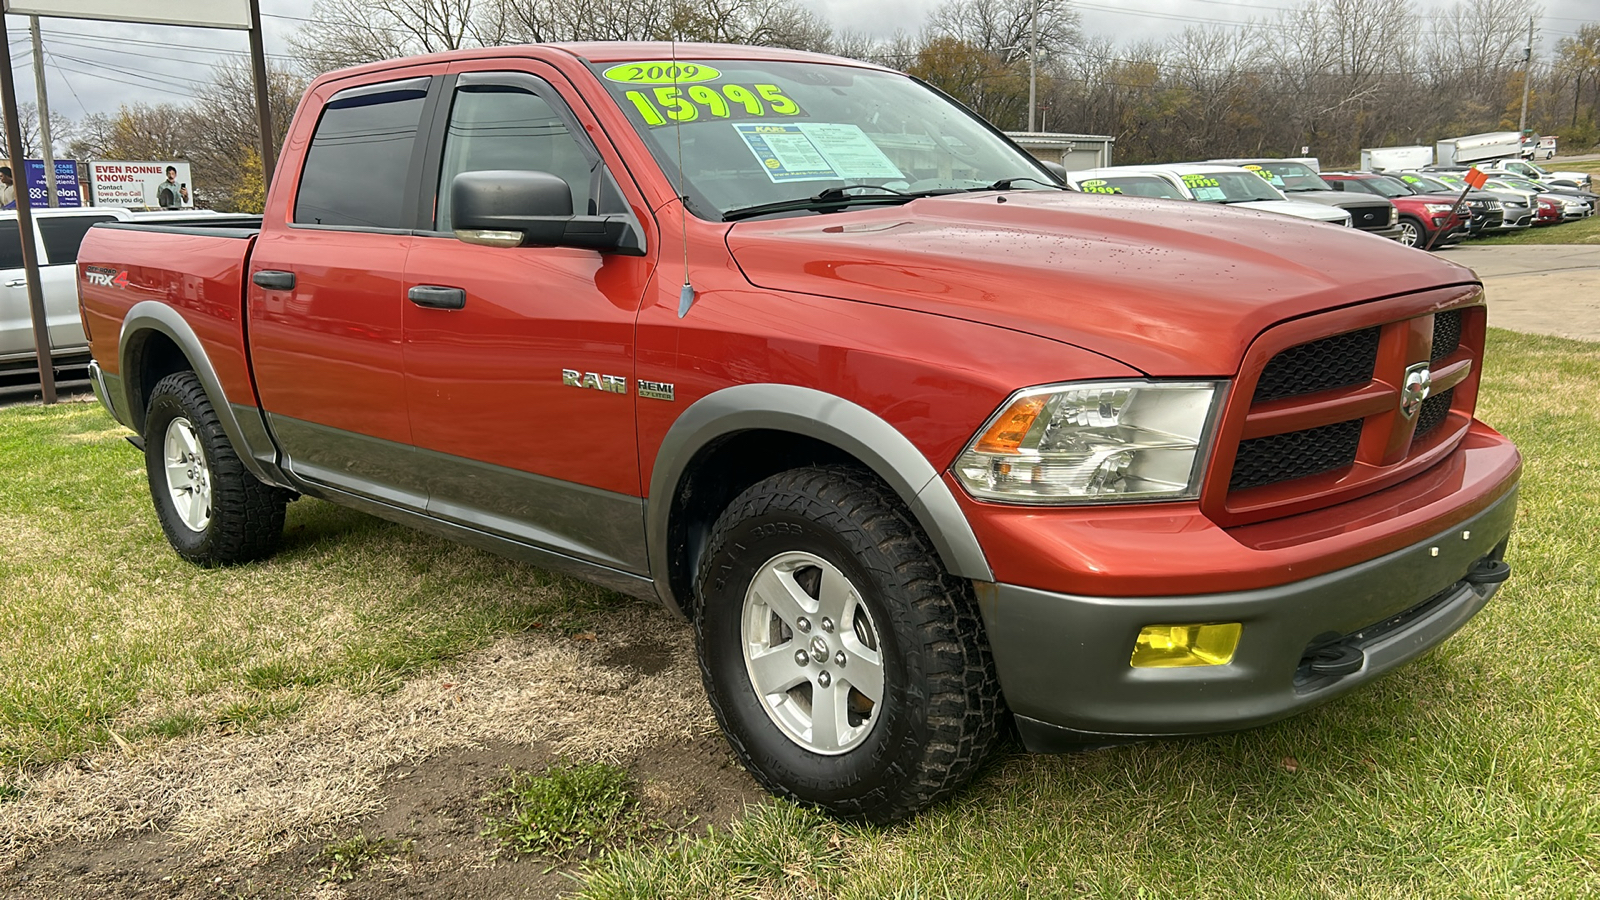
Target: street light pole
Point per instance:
(1033, 64)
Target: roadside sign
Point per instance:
(141, 184)
(196, 13)
(68, 191)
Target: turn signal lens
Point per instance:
(1175, 646)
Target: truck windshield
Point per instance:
(1291, 176)
(1383, 187)
(755, 132)
(1229, 187)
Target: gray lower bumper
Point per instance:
(1063, 659)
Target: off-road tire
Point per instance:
(942, 709)
(246, 518)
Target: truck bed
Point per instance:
(198, 271)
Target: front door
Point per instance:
(522, 399)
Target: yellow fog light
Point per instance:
(1171, 646)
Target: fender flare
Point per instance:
(834, 420)
(249, 437)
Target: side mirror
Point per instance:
(1056, 169)
(516, 208)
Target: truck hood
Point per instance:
(1338, 198)
(1300, 209)
(1172, 289)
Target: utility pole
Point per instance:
(30, 253)
(44, 117)
(1033, 63)
(1527, 67)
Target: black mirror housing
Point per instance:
(1056, 169)
(494, 205)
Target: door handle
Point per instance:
(435, 297)
(274, 281)
(17, 282)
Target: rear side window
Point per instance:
(356, 172)
(63, 234)
(10, 245)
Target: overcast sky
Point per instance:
(98, 66)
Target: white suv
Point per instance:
(1216, 184)
(57, 234)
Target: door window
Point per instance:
(357, 172)
(64, 234)
(507, 126)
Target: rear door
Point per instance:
(515, 446)
(325, 298)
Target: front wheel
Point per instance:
(1411, 233)
(847, 668)
(212, 510)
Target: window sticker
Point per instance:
(1272, 177)
(669, 103)
(816, 151)
(1208, 194)
(1200, 181)
(1098, 186)
(661, 71)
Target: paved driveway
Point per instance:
(1539, 288)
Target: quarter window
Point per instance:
(10, 245)
(357, 170)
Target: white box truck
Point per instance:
(1464, 151)
(1377, 159)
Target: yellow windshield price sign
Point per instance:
(661, 71)
(1098, 186)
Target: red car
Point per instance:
(1549, 212)
(1425, 221)
(919, 442)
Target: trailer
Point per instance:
(1378, 159)
(1464, 151)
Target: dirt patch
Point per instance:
(247, 815)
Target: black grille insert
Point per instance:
(1446, 334)
(1370, 217)
(1344, 360)
(1434, 410)
(1297, 454)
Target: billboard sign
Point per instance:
(141, 185)
(196, 13)
(68, 191)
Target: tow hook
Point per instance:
(1335, 660)
(1488, 571)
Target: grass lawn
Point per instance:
(105, 633)
(1474, 772)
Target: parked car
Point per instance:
(1537, 173)
(922, 445)
(1424, 221)
(1227, 185)
(57, 234)
(1573, 206)
(1484, 210)
(1297, 180)
(1516, 208)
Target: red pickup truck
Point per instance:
(920, 442)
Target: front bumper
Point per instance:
(1064, 660)
(1392, 232)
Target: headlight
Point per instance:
(1094, 442)
(1394, 214)
(1439, 207)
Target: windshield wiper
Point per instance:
(828, 198)
(1005, 184)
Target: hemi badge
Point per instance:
(655, 390)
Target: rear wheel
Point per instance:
(1411, 232)
(847, 669)
(212, 510)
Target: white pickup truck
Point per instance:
(1206, 183)
(1581, 180)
